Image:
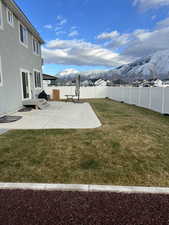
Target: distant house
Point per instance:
(119, 82)
(166, 83)
(137, 83)
(49, 80)
(158, 83)
(85, 83)
(148, 83)
(153, 83)
(20, 58)
(100, 82)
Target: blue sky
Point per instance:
(97, 34)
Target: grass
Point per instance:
(131, 148)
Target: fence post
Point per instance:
(139, 96)
(130, 93)
(122, 94)
(163, 99)
(149, 97)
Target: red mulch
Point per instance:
(77, 208)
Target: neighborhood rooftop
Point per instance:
(49, 77)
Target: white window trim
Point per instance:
(29, 80)
(25, 45)
(33, 46)
(2, 25)
(1, 84)
(35, 70)
(11, 24)
(34, 52)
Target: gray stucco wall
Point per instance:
(14, 57)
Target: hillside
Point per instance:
(154, 66)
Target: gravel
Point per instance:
(25, 207)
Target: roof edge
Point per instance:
(11, 4)
(49, 77)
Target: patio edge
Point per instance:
(83, 188)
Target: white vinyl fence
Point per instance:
(155, 98)
(85, 92)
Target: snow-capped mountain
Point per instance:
(68, 72)
(154, 66)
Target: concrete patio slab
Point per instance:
(59, 115)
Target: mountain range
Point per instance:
(153, 66)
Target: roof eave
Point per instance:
(22, 17)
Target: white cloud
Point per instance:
(73, 28)
(164, 23)
(78, 52)
(59, 25)
(147, 42)
(153, 17)
(68, 72)
(73, 33)
(58, 28)
(107, 35)
(60, 32)
(141, 34)
(48, 26)
(115, 39)
(140, 42)
(61, 20)
(147, 4)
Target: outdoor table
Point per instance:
(70, 97)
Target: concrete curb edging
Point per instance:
(83, 188)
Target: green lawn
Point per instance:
(131, 148)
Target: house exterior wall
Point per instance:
(14, 57)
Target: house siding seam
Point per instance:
(15, 57)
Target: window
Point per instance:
(37, 77)
(25, 78)
(1, 81)
(36, 46)
(10, 17)
(1, 18)
(23, 33)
